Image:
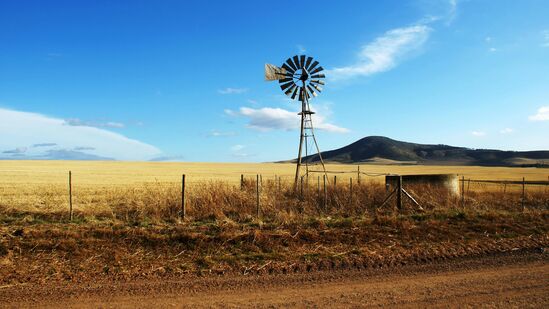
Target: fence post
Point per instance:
(523, 193)
(241, 182)
(358, 175)
(325, 194)
(301, 189)
(335, 181)
(183, 206)
(462, 191)
(70, 196)
(399, 192)
(351, 190)
(318, 187)
(257, 195)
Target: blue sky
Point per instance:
(182, 80)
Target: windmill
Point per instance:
(300, 78)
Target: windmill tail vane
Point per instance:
(300, 78)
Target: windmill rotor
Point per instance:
(299, 77)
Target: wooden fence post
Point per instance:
(462, 191)
(335, 181)
(70, 196)
(241, 182)
(318, 187)
(183, 206)
(399, 192)
(257, 195)
(523, 193)
(351, 190)
(325, 194)
(301, 188)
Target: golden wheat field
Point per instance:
(137, 190)
(117, 173)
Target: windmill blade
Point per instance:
(287, 68)
(318, 88)
(284, 86)
(285, 80)
(272, 72)
(318, 81)
(318, 76)
(289, 91)
(313, 65)
(317, 70)
(309, 59)
(302, 61)
(296, 61)
(311, 91)
(291, 63)
(296, 90)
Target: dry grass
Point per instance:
(151, 192)
(127, 220)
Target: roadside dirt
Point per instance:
(512, 279)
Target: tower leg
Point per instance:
(302, 136)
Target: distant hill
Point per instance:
(383, 150)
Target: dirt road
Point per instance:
(505, 280)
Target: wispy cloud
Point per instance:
(19, 129)
(478, 133)
(384, 53)
(541, 115)
(301, 49)
(239, 151)
(97, 124)
(18, 150)
(216, 133)
(82, 148)
(236, 148)
(230, 90)
(506, 131)
(268, 118)
(175, 158)
(44, 145)
(545, 35)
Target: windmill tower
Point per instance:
(300, 78)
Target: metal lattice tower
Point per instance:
(300, 77)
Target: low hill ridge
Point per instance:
(383, 150)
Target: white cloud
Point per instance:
(542, 114)
(452, 11)
(545, 34)
(230, 90)
(488, 39)
(478, 133)
(23, 129)
(97, 124)
(506, 131)
(237, 148)
(268, 118)
(492, 49)
(384, 53)
(216, 133)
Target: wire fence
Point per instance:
(253, 195)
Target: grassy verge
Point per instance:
(38, 251)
